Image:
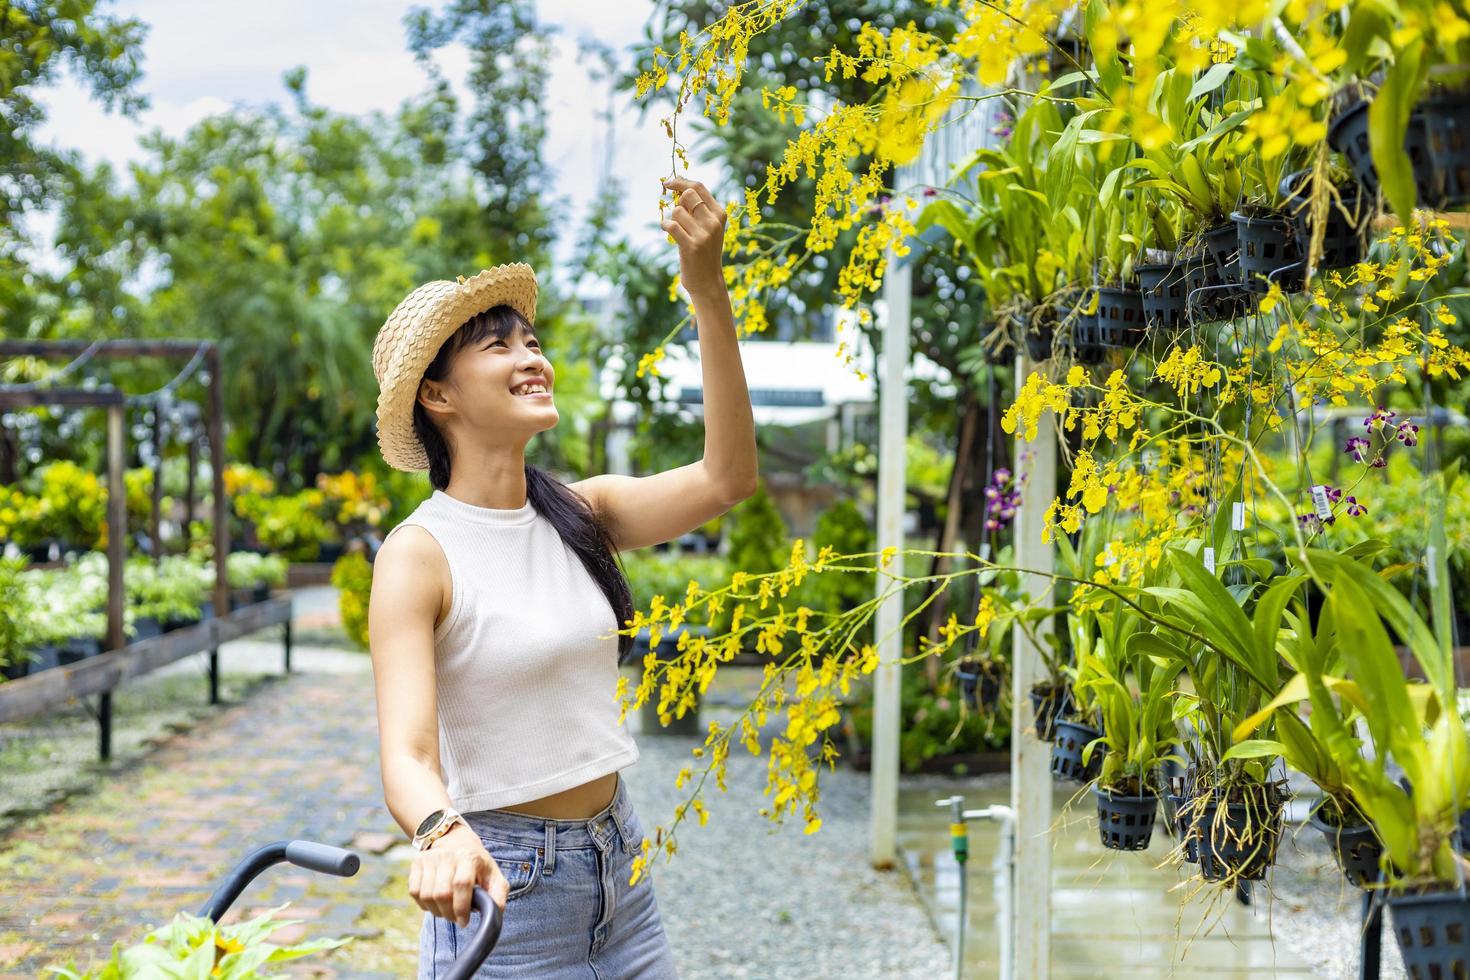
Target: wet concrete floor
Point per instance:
(1134, 915)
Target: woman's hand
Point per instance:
(443, 878)
(697, 225)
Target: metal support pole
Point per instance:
(288, 646)
(1370, 941)
(117, 528)
(190, 490)
(1030, 757)
(215, 420)
(892, 438)
(155, 510)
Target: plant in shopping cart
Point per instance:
(194, 948)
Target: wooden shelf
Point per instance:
(36, 694)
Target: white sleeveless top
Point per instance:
(525, 663)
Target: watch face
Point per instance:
(429, 823)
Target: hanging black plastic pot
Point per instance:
(1066, 751)
(1048, 703)
(1345, 228)
(1240, 843)
(1447, 132)
(1208, 295)
(1125, 823)
(1085, 343)
(1039, 341)
(1433, 931)
(1348, 135)
(971, 674)
(1223, 244)
(1119, 317)
(1357, 848)
(1180, 824)
(1164, 295)
(1268, 252)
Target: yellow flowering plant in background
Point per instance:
(1189, 457)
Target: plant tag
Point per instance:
(1210, 560)
(1237, 516)
(1319, 497)
(1429, 558)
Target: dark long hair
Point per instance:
(577, 524)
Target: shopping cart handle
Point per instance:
(325, 858)
(307, 854)
(482, 942)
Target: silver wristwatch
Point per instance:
(435, 826)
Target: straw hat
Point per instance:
(415, 331)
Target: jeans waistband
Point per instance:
(599, 830)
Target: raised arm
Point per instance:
(649, 510)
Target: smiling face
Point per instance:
(491, 381)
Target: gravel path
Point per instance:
(1317, 915)
(744, 898)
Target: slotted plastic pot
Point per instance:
(1125, 823)
(1164, 296)
(1447, 134)
(1356, 848)
(1240, 844)
(1268, 252)
(1348, 135)
(1066, 751)
(1345, 228)
(1047, 705)
(1433, 930)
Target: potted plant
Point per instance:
(1074, 753)
(1133, 694)
(1420, 729)
(1330, 227)
(252, 576)
(1022, 233)
(1269, 251)
(1230, 803)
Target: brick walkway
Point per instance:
(157, 840)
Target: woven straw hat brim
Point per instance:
(412, 336)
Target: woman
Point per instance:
(494, 613)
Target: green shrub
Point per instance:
(353, 576)
(653, 573)
(68, 602)
(844, 529)
(15, 623)
(934, 722)
(73, 505)
(246, 569)
(759, 540)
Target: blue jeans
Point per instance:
(571, 913)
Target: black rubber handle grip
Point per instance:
(325, 858)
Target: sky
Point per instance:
(203, 59)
